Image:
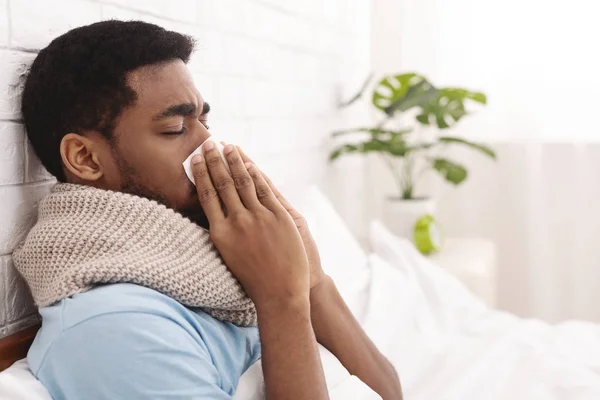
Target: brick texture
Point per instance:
(18, 301)
(4, 23)
(12, 153)
(13, 66)
(35, 23)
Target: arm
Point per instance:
(260, 244)
(333, 323)
(336, 328)
(290, 357)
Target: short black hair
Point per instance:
(78, 82)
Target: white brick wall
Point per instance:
(12, 153)
(12, 67)
(272, 70)
(35, 23)
(4, 23)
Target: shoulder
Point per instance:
(135, 337)
(117, 298)
(135, 341)
(122, 310)
(134, 355)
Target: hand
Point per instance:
(257, 237)
(317, 276)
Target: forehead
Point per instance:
(162, 85)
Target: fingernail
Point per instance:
(248, 165)
(228, 149)
(209, 145)
(197, 159)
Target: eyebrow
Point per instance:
(184, 110)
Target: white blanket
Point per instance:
(446, 344)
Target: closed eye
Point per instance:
(179, 132)
(174, 132)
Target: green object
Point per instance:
(395, 139)
(427, 235)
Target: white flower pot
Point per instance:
(400, 216)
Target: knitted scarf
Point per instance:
(86, 237)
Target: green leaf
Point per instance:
(347, 148)
(373, 131)
(478, 97)
(457, 110)
(375, 145)
(398, 148)
(449, 103)
(402, 92)
(423, 118)
(477, 146)
(417, 95)
(359, 94)
(466, 94)
(453, 172)
(441, 120)
(394, 146)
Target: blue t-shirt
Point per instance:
(126, 341)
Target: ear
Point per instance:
(80, 156)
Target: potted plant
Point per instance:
(409, 137)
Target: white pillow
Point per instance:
(445, 294)
(18, 383)
(342, 256)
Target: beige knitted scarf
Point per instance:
(86, 237)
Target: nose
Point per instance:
(200, 134)
(197, 134)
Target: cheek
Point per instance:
(167, 175)
(158, 168)
(154, 162)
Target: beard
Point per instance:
(132, 184)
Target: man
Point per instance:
(111, 107)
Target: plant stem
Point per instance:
(408, 184)
(423, 170)
(397, 178)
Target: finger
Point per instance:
(276, 192)
(207, 194)
(242, 180)
(222, 181)
(245, 157)
(263, 191)
(286, 204)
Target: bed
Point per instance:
(444, 342)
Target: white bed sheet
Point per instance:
(446, 344)
(18, 383)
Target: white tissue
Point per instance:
(187, 164)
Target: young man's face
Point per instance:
(153, 138)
